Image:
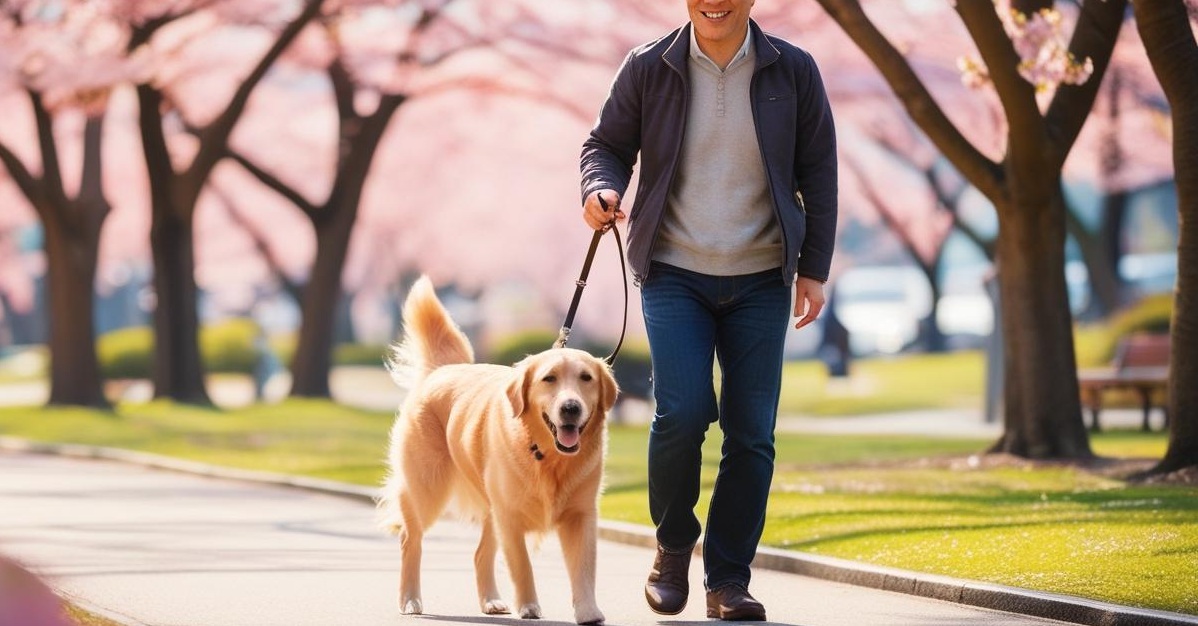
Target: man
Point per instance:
(736, 202)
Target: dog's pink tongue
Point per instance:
(567, 437)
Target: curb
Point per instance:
(1059, 607)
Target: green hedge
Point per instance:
(360, 354)
(226, 347)
(126, 353)
(1096, 343)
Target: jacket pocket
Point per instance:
(776, 97)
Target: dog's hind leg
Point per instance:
(421, 502)
(484, 571)
(411, 538)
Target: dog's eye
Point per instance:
(549, 379)
(586, 377)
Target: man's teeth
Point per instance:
(716, 16)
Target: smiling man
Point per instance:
(736, 203)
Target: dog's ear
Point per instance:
(517, 389)
(608, 388)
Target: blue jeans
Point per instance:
(691, 319)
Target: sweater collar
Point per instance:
(679, 49)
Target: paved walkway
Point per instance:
(160, 548)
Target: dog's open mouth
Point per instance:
(567, 438)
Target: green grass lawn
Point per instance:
(884, 384)
(895, 501)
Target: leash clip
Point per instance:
(563, 335)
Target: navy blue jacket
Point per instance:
(645, 113)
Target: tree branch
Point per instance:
(951, 201)
(883, 210)
(51, 168)
(1017, 95)
(1094, 37)
(26, 182)
(215, 137)
(91, 183)
(918, 102)
(274, 183)
(293, 289)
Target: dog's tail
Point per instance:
(431, 339)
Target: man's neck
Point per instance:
(722, 52)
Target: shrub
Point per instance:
(228, 347)
(1096, 343)
(360, 354)
(225, 347)
(126, 353)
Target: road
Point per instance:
(164, 548)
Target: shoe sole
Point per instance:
(733, 617)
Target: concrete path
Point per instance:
(160, 548)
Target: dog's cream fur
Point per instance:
(519, 449)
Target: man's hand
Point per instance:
(593, 212)
(809, 300)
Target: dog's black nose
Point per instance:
(571, 408)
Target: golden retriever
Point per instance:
(518, 449)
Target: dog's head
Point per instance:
(566, 389)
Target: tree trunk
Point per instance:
(71, 253)
(334, 224)
(72, 230)
(178, 369)
(1166, 31)
(1041, 403)
(934, 340)
(1101, 258)
(313, 354)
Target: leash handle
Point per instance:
(563, 335)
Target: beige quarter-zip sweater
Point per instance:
(719, 217)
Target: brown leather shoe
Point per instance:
(668, 585)
(733, 603)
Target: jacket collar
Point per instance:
(679, 49)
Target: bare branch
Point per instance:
(886, 213)
(918, 102)
(293, 289)
(949, 199)
(215, 137)
(274, 183)
(28, 184)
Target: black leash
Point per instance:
(564, 334)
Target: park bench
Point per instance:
(1141, 365)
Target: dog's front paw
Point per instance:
(532, 610)
(588, 615)
(411, 606)
(495, 606)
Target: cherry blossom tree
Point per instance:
(376, 60)
(66, 57)
(1046, 84)
(178, 166)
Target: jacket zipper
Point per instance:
(765, 165)
(661, 216)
